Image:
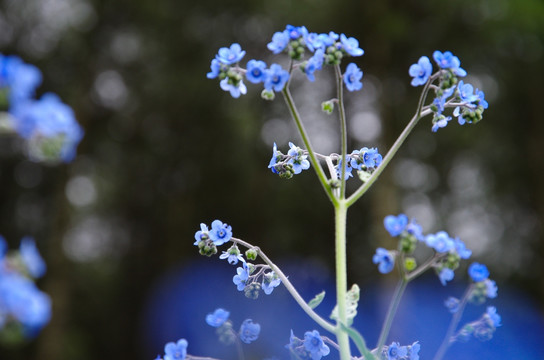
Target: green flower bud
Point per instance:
(252, 290)
(207, 247)
(251, 254)
(268, 95)
(327, 106)
(410, 263)
(225, 333)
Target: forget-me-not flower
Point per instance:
(256, 71)
(249, 331)
(352, 77)
(220, 232)
(218, 317)
(175, 351)
(421, 71)
(276, 77)
(478, 272)
(313, 343)
(384, 259)
(230, 55)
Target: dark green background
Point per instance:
(170, 149)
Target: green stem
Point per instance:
(343, 129)
(289, 286)
(391, 312)
(316, 164)
(453, 324)
(340, 211)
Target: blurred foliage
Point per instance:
(166, 149)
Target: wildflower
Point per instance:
(232, 255)
(215, 69)
(395, 351)
(231, 55)
(413, 351)
(395, 225)
(18, 78)
(490, 288)
(270, 281)
(348, 170)
(440, 241)
(421, 71)
(495, 318)
(313, 343)
(202, 234)
(242, 276)
(279, 42)
(478, 272)
(235, 88)
(249, 331)
(314, 63)
(31, 257)
(385, 259)
(297, 160)
(452, 304)
(352, 77)
(351, 46)
(447, 60)
(217, 318)
(256, 71)
(220, 232)
(445, 275)
(175, 351)
(275, 78)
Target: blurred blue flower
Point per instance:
(351, 45)
(31, 257)
(313, 343)
(352, 77)
(445, 275)
(279, 41)
(395, 225)
(275, 78)
(385, 259)
(230, 55)
(249, 331)
(217, 318)
(478, 272)
(19, 79)
(175, 351)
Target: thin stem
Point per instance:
(453, 324)
(343, 129)
(289, 286)
(400, 140)
(340, 211)
(391, 312)
(239, 348)
(316, 164)
(423, 267)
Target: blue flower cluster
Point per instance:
(21, 302)
(397, 352)
(288, 165)
(449, 251)
(469, 103)
(481, 329)
(249, 331)
(365, 161)
(312, 347)
(328, 49)
(48, 126)
(250, 278)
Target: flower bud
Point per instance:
(268, 95)
(252, 290)
(251, 254)
(410, 263)
(327, 106)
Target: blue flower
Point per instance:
(202, 234)
(415, 229)
(235, 89)
(352, 77)
(313, 41)
(461, 249)
(217, 318)
(297, 160)
(329, 39)
(314, 63)
(440, 101)
(481, 99)
(495, 318)
(395, 351)
(32, 258)
(478, 272)
(50, 128)
(296, 32)
(439, 122)
(413, 351)
(18, 78)
(466, 92)
(447, 60)
(242, 276)
(349, 169)
(275, 78)
(452, 304)
(351, 45)
(220, 232)
(421, 71)
(446, 274)
(440, 241)
(215, 68)
(232, 255)
(385, 259)
(21, 300)
(313, 343)
(279, 41)
(367, 157)
(276, 155)
(232, 55)
(249, 331)
(490, 288)
(395, 225)
(256, 71)
(270, 281)
(175, 351)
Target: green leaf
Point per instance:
(352, 300)
(317, 300)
